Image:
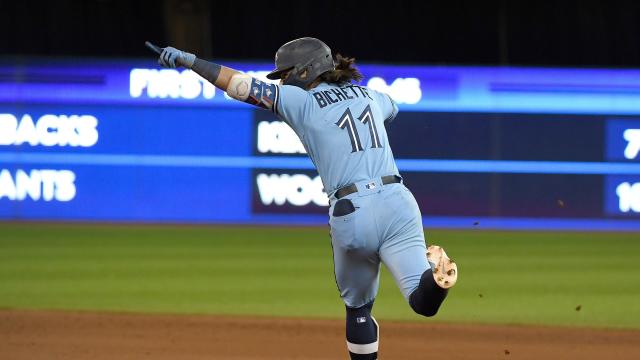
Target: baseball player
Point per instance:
(373, 217)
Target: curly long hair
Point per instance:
(345, 71)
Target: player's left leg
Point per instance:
(357, 271)
(357, 278)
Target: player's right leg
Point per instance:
(434, 283)
(357, 270)
(424, 286)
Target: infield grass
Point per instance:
(579, 279)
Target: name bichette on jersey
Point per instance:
(338, 94)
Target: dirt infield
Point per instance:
(84, 335)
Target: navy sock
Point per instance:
(428, 297)
(362, 333)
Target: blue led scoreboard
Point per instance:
(494, 147)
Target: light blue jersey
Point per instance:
(342, 129)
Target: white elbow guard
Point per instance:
(239, 86)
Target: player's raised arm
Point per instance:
(238, 85)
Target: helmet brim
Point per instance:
(276, 73)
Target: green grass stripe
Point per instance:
(505, 277)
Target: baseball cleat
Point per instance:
(445, 271)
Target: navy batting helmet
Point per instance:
(307, 58)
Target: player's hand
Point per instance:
(172, 58)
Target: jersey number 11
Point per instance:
(346, 122)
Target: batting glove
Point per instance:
(172, 58)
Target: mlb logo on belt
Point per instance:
(371, 185)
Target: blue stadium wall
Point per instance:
(488, 147)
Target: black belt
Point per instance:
(351, 188)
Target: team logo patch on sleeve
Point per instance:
(263, 95)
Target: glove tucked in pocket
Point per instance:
(343, 207)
